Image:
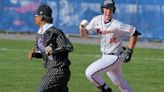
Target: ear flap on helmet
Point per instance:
(101, 10)
(114, 9)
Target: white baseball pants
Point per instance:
(110, 64)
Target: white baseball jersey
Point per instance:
(111, 33)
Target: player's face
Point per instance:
(108, 12)
(38, 20)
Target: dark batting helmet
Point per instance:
(107, 3)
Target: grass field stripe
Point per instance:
(85, 55)
(151, 59)
(3, 49)
(145, 58)
(18, 50)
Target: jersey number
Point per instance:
(113, 40)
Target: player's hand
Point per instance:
(83, 24)
(82, 27)
(127, 55)
(48, 50)
(31, 54)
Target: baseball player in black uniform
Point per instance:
(53, 46)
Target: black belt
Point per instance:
(112, 53)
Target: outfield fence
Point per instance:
(146, 15)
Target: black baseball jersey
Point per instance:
(57, 64)
(61, 47)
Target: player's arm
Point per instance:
(132, 42)
(64, 45)
(61, 41)
(34, 54)
(133, 39)
(83, 32)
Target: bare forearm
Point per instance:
(133, 40)
(83, 32)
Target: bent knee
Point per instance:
(88, 73)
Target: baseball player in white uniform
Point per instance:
(111, 32)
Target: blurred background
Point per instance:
(18, 32)
(146, 15)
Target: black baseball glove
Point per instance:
(128, 53)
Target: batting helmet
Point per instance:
(46, 12)
(107, 3)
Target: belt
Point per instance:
(112, 53)
(109, 53)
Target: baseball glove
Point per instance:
(127, 55)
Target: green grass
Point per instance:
(145, 72)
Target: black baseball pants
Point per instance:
(55, 80)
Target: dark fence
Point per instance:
(146, 15)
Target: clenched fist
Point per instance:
(48, 50)
(34, 54)
(31, 54)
